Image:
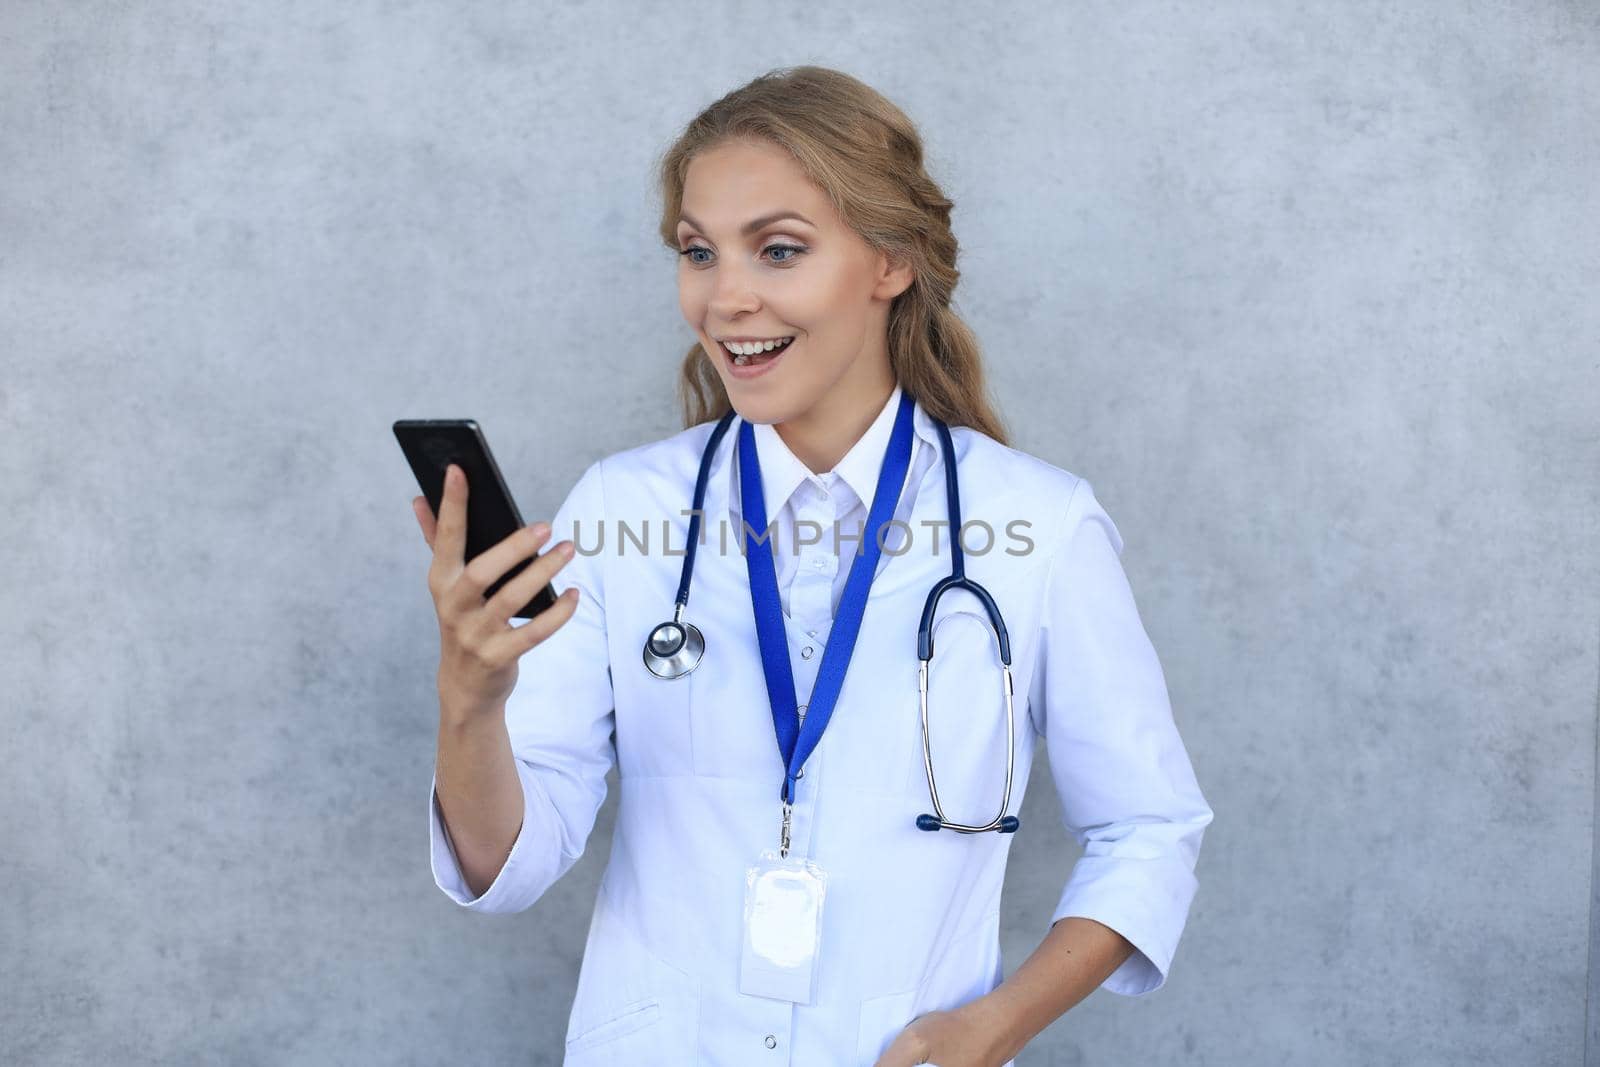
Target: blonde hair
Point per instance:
(866, 156)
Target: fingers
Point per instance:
(906, 1049)
(459, 585)
(488, 566)
(516, 593)
(450, 537)
(519, 639)
(424, 514)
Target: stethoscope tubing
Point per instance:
(675, 648)
(957, 579)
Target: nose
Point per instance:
(732, 293)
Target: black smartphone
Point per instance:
(432, 444)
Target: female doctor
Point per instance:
(796, 875)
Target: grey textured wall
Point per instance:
(1307, 290)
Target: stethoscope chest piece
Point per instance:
(674, 649)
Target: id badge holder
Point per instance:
(782, 928)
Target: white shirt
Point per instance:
(911, 918)
(811, 577)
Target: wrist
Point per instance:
(994, 1015)
(458, 716)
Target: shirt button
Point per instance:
(817, 562)
(805, 653)
(772, 1042)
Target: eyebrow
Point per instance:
(756, 224)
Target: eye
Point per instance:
(795, 252)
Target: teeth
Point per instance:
(752, 348)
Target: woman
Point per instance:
(770, 895)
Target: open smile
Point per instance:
(753, 366)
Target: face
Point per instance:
(745, 274)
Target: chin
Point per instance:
(760, 410)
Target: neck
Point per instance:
(821, 437)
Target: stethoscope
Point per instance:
(675, 648)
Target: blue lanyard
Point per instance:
(796, 741)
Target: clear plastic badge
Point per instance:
(782, 928)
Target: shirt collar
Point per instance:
(782, 472)
(722, 494)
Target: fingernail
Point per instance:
(449, 473)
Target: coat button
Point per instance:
(772, 1042)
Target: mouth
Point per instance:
(741, 366)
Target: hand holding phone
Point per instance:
(479, 649)
(477, 590)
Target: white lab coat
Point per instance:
(911, 918)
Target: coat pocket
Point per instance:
(882, 1019)
(968, 968)
(631, 1006)
(633, 1018)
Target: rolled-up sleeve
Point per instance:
(559, 718)
(1127, 789)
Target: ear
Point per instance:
(894, 276)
